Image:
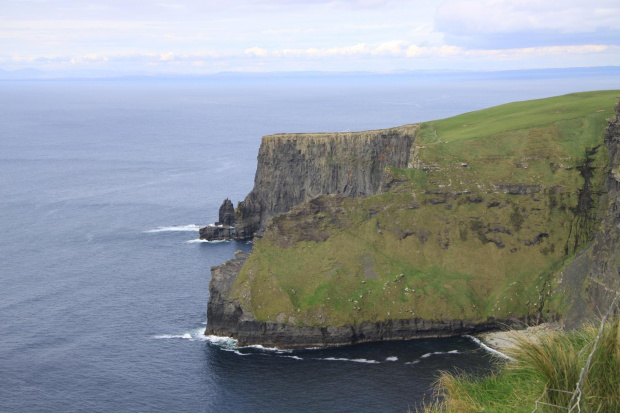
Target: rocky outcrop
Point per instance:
(227, 213)
(225, 228)
(294, 168)
(224, 313)
(227, 317)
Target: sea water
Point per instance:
(104, 283)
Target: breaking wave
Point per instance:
(439, 352)
(200, 241)
(487, 348)
(180, 228)
(353, 360)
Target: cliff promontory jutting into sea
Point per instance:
(446, 227)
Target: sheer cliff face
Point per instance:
(604, 271)
(294, 168)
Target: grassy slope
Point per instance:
(468, 249)
(553, 362)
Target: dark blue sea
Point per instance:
(103, 283)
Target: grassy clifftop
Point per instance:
(496, 202)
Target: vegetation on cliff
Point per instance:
(496, 203)
(540, 367)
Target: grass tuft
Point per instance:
(550, 362)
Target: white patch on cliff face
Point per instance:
(180, 228)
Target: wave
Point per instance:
(439, 352)
(271, 349)
(393, 358)
(200, 241)
(169, 336)
(489, 349)
(237, 352)
(180, 228)
(197, 334)
(353, 360)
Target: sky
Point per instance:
(210, 36)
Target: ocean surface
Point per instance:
(103, 283)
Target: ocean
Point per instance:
(104, 283)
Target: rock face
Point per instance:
(227, 213)
(294, 168)
(603, 267)
(225, 228)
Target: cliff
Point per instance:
(294, 168)
(468, 226)
(592, 280)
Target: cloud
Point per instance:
(403, 49)
(520, 23)
(256, 51)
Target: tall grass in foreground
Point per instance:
(551, 362)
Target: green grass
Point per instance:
(520, 115)
(553, 362)
(467, 245)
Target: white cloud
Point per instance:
(470, 17)
(256, 51)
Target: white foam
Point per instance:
(293, 357)
(237, 352)
(199, 240)
(489, 349)
(194, 335)
(223, 342)
(180, 228)
(353, 360)
(167, 336)
(274, 349)
(439, 352)
(413, 362)
(393, 358)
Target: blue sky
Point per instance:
(206, 36)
